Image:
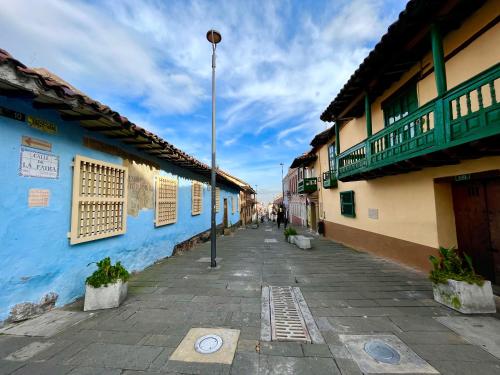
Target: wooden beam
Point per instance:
(57, 106)
(102, 128)
(68, 117)
(17, 93)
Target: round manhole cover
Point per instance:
(208, 344)
(382, 352)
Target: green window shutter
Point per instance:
(347, 207)
(400, 104)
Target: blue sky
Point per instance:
(279, 65)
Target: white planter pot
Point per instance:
(464, 297)
(105, 297)
(303, 242)
(291, 239)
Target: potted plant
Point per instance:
(456, 285)
(290, 233)
(106, 287)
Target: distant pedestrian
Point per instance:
(280, 215)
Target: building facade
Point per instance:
(80, 183)
(412, 161)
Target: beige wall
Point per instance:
(410, 206)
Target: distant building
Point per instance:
(80, 182)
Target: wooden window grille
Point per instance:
(196, 198)
(233, 207)
(347, 207)
(217, 199)
(166, 201)
(99, 206)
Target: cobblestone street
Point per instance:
(348, 292)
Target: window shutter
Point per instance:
(232, 205)
(166, 201)
(347, 207)
(217, 199)
(196, 198)
(99, 201)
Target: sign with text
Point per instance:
(38, 197)
(43, 125)
(38, 164)
(6, 112)
(36, 143)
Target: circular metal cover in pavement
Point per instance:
(382, 352)
(208, 344)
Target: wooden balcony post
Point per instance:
(368, 115)
(438, 59)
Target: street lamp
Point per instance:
(282, 187)
(213, 37)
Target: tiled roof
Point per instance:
(50, 91)
(303, 159)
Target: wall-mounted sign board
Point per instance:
(42, 125)
(38, 197)
(9, 113)
(38, 164)
(36, 143)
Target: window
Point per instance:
(331, 157)
(166, 201)
(401, 104)
(99, 205)
(347, 203)
(196, 198)
(233, 207)
(217, 199)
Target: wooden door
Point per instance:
(472, 224)
(313, 217)
(493, 204)
(225, 213)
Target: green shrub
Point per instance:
(452, 265)
(106, 273)
(290, 232)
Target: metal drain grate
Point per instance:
(287, 323)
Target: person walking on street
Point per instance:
(280, 215)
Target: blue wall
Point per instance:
(35, 255)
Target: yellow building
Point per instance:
(412, 160)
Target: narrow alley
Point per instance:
(348, 293)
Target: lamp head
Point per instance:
(213, 36)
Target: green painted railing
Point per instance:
(330, 179)
(468, 112)
(308, 185)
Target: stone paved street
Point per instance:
(348, 292)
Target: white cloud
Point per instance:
(279, 65)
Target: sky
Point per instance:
(279, 65)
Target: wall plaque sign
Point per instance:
(43, 125)
(6, 112)
(38, 197)
(36, 143)
(38, 164)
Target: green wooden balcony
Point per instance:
(307, 185)
(464, 123)
(330, 180)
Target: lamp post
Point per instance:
(213, 37)
(282, 187)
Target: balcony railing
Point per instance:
(307, 185)
(466, 113)
(330, 180)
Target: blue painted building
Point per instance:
(44, 125)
